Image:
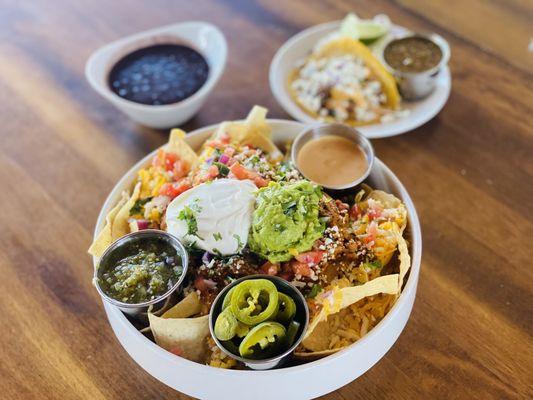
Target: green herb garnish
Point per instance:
(138, 206)
(316, 289)
(373, 264)
(217, 236)
(187, 215)
(223, 169)
(240, 244)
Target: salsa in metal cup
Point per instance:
(140, 270)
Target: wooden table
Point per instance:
(469, 171)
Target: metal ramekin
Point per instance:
(334, 129)
(140, 309)
(302, 316)
(417, 85)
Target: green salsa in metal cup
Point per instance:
(141, 268)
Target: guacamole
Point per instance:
(285, 221)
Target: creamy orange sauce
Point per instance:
(332, 161)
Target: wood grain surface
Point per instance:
(469, 171)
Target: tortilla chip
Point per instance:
(321, 329)
(105, 237)
(120, 226)
(405, 259)
(176, 332)
(339, 299)
(177, 145)
(254, 131)
(186, 308)
(183, 336)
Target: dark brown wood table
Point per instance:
(469, 171)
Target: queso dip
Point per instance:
(332, 161)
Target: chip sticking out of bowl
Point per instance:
(324, 325)
(176, 332)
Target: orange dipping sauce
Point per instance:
(332, 161)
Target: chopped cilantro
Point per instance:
(187, 215)
(223, 169)
(373, 264)
(240, 244)
(316, 289)
(254, 160)
(217, 236)
(196, 205)
(138, 206)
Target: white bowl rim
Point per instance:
(387, 129)
(208, 85)
(409, 287)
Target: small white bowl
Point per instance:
(202, 36)
(300, 46)
(304, 381)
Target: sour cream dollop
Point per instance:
(214, 216)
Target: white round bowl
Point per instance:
(300, 382)
(300, 46)
(202, 36)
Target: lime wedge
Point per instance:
(370, 31)
(349, 26)
(366, 30)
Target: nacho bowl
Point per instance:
(304, 381)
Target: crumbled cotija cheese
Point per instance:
(341, 87)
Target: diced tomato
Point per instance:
(259, 181)
(240, 172)
(180, 169)
(224, 138)
(310, 257)
(170, 160)
(341, 205)
(174, 189)
(270, 268)
(302, 269)
(373, 213)
(355, 211)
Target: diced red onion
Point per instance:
(223, 159)
(142, 224)
(207, 257)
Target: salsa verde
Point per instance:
(145, 270)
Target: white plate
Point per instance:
(300, 382)
(299, 46)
